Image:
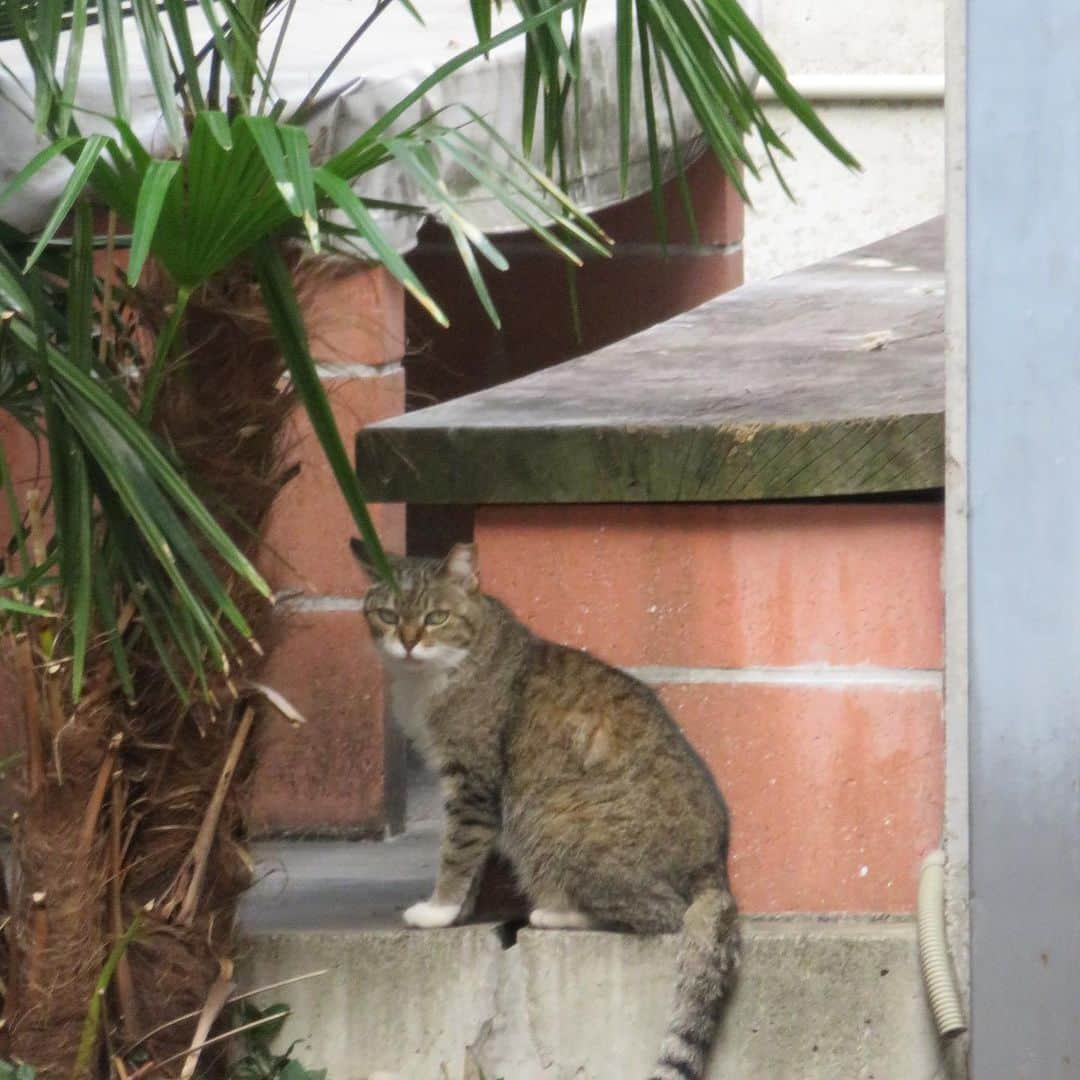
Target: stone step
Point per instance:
(818, 998)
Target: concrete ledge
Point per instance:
(818, 1000)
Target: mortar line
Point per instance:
(822, 675)
(289, 605)
(334, 372)
(813, 675)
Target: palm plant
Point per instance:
(131, 605)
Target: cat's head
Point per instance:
(432, 617)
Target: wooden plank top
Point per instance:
(825, 382)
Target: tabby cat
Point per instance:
(574, 770)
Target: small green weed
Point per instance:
(259, 1061)
(12, 1070)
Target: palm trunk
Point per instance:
(138, 810)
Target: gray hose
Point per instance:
(934, 950)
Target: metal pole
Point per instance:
(1023, 330)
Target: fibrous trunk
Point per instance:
(136, 810)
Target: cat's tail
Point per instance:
(708, 959)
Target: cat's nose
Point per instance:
(409, 638)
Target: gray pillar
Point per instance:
(1023, 327)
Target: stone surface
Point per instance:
(826, 382)
(343, 885)
(725, 586)
(816, 1001)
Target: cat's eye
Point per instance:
(436, 618)
(387, 615)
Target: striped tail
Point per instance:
(707, 962)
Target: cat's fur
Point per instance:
(574, 770)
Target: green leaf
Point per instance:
(155, 52)
(89, 1037)
(46, 89)
(293, 1070)
(17, 607)
(624, 58)
(150, 486)
(84, 166)
(347, 162)
(36, 164)
(676, 150)
(235, 47)
(299, 170)
(72, 65)
(418, 160)
(159, 178)
(481, 15)
(268, 140)
(346, 200)
(47, 33)
(103, 579)
(284, 311)
(112, 27)
(412, 10)
(530, 97)
(80, 293)
(656, 172)
(176, 10)
(266, 1033)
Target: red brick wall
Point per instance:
(798, 645)
(327, 777)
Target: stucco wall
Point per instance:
(900, 143)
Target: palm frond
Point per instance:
(114, 487)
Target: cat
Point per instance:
(573, 770)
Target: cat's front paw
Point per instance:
(430, 915)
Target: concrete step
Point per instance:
(818, 999)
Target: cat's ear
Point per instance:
(460, 566)
(359, 549)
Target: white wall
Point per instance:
(899, 143)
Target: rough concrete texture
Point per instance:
(818, 1000)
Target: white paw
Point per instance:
(429, 915)
(545, 919)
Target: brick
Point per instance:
(306, 538)
(766, 584)
(355, 315)
(835, 794)
(718, 210)
(618, 296)
(326, 776)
